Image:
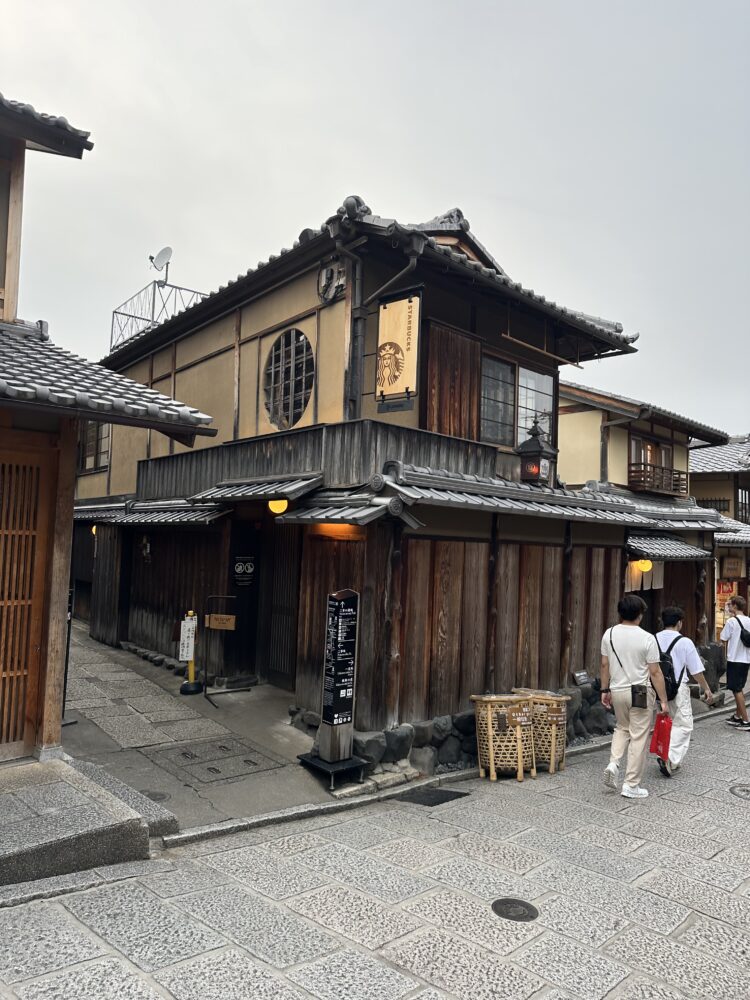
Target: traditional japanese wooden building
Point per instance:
(386, 399)
(44, 393)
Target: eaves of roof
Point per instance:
(731, 457)
(261, 488)
(49, 133)
(665, 549)
(633, 407)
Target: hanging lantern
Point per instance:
(537, 458)
(644, 565)
(278, 506)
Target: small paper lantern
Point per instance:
(644, 565)
(278, 506)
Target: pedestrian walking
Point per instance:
(686, 664)
(630, 658)
(738, 657)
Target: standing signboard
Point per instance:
(187, 639)
(340, 666)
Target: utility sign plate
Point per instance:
(187, 639)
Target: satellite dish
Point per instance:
(162, 258)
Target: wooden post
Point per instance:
(566, 634)
(394, 615)
(13, 242)
(701, 618)
(489, 674)
(236, 397)
(51, 690)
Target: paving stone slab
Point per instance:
(509, 856)
(131, 731)
(225, 976)
(160, 820)
(108, 710)
(419, 827)
(662, 833)
(497, 825)
(357, 833)
(686, 969)
(717, 940)
(108, 980)
(587, 856)
(410, 853)
(194, 729)
(353, 915)
(586, 924)
(702, 898)
(40, 939)
(350, 974)
(726, 875)
(133, 869)
(47, 888)
(628, 902)
(388, 882)
(458, 966)
(52, 797)
(267, 930)
(588, 975)
(465, 917)
(612, 840)
(259, 869)
(484, 881)
(184, 877)
(645, 989)
(147, 931)
(13, 809)
(296, 843)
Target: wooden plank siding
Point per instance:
(454, 367)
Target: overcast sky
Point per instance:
(599, 150)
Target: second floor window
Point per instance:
(654, 453)
(93, 447)
(512, 398)
(743, 505)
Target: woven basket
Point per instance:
(550, 727)
(505, 735)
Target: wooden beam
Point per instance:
(50, 694)
(13, 243)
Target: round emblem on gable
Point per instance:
(390, 363)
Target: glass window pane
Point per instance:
(536, 396)
(498, 402)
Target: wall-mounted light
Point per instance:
(93, 530)
(644, 565)
(278, 506)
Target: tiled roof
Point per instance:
(165, 512)
(290, 488)
(607, 330)
(575, 391)
(35, 372)
(732, 457)
(733, 533)
(28, 115)
(664, 548)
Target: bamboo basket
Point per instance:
(505, 735)
(550, 726)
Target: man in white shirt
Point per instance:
(630, 658)
(738, 658)
(687, 663)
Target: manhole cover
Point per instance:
(430, 796)
(515, 909)
(741, 791)
(156, 796)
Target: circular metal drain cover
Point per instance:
(156, 796)
(741, 791)
(515, 909)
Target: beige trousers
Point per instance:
(631, 736)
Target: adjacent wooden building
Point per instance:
(44, 394)
(386, 398)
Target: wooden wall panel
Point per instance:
(507, 617)
(472, 678)
(278, 656)
(595, 621)
(105, 622)
(448, 572)
(415, 658)
(531, 607)
(578, 577)
(453, 383)
(614, 585)
(377, 691)
(550, 626)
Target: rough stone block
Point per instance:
(441, 729)
(311, 719)
(450, 751)
(422, 733)
(389, 780)
(469, 745)
(398, 742)
(465, 723)
(424, 759)
(370, 746)
(597, 720)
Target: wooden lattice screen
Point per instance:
(24, 516)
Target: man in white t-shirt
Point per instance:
(687, 663)
(738, 658)
(630, 658)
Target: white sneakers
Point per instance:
(611, 775)
(634, 792)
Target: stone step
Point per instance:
(160, 821)
(54, 820)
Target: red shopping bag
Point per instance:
(661, 735)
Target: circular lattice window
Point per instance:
(288, 378)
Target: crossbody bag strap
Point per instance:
(672, 644)
(611, 631)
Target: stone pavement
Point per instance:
(203, 763)
(391, 901)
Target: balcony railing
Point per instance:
(154, 304)
(657, 479)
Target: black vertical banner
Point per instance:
(340, 657)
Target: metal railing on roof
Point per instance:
(148, 308)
